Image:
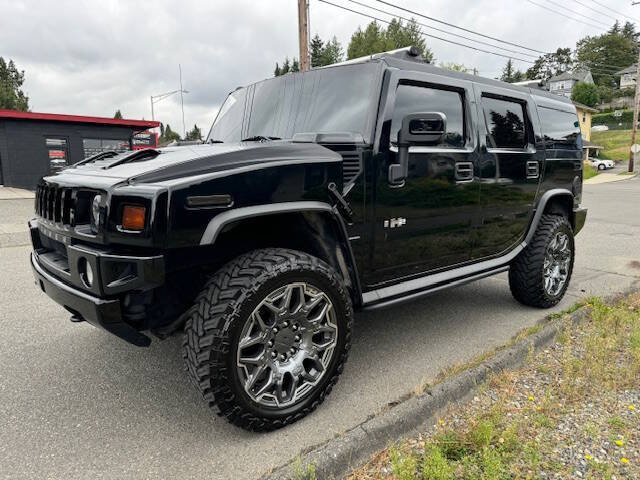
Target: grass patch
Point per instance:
(588, 171)
(627, 173)
(512, 429)
(616, 144)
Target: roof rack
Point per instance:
(406, 53)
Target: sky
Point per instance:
(94, 57)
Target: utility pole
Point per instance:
(636, 106)
(303, 34)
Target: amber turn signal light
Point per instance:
(133, 217)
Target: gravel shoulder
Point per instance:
(573, 411)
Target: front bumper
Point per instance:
(57, 272)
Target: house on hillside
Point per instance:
(563, 84)
(627, 77)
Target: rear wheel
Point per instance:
(540, 275)
(268, 337)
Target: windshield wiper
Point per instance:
(260, 138)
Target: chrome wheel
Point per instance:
(557, 261)
(286, 345)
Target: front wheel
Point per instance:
(601, 166)
(540, 275)
(268, 337)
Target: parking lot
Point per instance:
(78, 403)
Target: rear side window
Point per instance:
(561, 129)
(414, 99)
(506, 126)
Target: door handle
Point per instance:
(533, 169)
(464, 172)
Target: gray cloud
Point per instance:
(93, 57)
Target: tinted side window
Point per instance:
(505, 123)
(414, 99)
(561, 130)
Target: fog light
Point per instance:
(86, 272)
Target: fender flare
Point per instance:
(542, 203)
(217, 224)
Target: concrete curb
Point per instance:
(338, 456)
(616, 178)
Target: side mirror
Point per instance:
(417, 129)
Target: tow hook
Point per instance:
(341, 203)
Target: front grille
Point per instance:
(65, 206)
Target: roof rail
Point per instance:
(407, 53)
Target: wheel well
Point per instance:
(315, 233)
(561, 205)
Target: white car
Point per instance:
(599, 128)
(602, 164)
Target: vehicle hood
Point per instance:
(186, 161)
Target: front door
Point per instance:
(510, 168)
(425, 224)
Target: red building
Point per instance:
(33, 145)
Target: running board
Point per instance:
(418, 287)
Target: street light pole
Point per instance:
(157, 98)
(184, 129)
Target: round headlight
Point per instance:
(95, 210)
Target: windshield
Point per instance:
(338, 99)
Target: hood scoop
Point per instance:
(119, 158)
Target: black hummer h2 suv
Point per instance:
(351, 187)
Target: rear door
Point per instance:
(426, 223)
(511, 160)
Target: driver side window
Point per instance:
(416, 99)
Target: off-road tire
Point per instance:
(220, 311)
(526, 272)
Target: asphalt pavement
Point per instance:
(77, 403)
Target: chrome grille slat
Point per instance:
(56, 204)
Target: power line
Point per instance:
(426, 34)
(614, 11)
(563, 15)
(594, 10)
(413, 12)
(577, 13)
(442, 30)
(460, 28)
(604, 73)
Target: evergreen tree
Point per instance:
(316, 50)
(375, 39)
(194, 134)
(286, 66)
(161, 130)
(118, 114)
(11, 95)
(295, 66)
(511, 74)
(332, 52)
(169, 135)
(276, 72)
